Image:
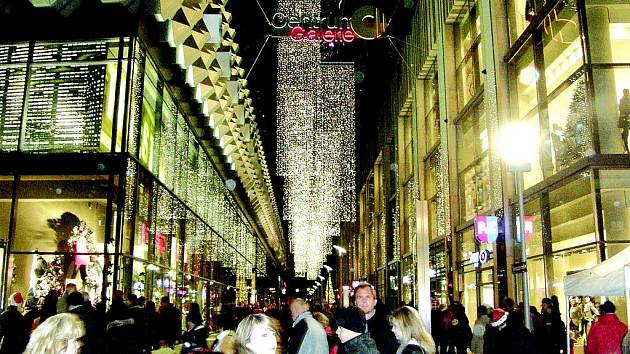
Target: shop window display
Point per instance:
(437, 272)
(64, 219)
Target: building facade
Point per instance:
(132, 161)
(468, 68)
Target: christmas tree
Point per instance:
(576, 140)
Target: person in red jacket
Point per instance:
(607, 333)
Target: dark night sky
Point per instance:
(376, 59)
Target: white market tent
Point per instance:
(609, 278)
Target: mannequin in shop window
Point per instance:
(624, 118)
(576, 314)
(589, 314)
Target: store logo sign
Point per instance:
(479, 258)
(367, 22)
(486, 228)
(529, 228)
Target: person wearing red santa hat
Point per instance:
(13, 328)
(507, 335)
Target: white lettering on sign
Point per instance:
(479, 258)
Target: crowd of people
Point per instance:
(71, 325)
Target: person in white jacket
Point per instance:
(479, 329)
(307, 336)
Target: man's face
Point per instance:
(544, 307)
(364, 299)
(295, 311)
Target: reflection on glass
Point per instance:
(534, 245)
(562, 47)
(569, 125)
(571, 213)
(526, 78)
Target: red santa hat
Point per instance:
(16, 299)
(498, 317)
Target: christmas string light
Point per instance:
(316, 141)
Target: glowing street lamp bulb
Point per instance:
(328, 268)
(340, 250)
(518, 143)
(528, 76)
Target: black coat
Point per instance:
(14, 332)
(511, 339)
(196, 337)
(413, 349)
(362, 344)
(381, 332)
(296, 336)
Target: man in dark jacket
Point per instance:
(377, 318)
(93, 330)
(169, 321)
(351, 329)
(554, 331)
(13, 329)
(506, 334)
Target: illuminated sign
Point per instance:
(529, 228)
(479, 258)
(486, 228)
(299, 34)
(367, 22)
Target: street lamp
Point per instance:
(340, 250)
(518, 143)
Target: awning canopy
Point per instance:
(604, 279)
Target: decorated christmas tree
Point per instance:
(577, 142)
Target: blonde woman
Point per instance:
(257, 334)
(59, 334)
(410, 332)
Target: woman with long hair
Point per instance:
(257, 334)
(410, 332)
(59, 334)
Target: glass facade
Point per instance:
(155, 221)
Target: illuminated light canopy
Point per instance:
(316, 142)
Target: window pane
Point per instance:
(50, 207)
(612, 108)
(615, 196)
(536, 277)
(525, 80)
(12, 80)
(565, 263)
(562, 47)
(535, 245)
(569, 124)
(6, 194)
(609, 31)
(571, 213)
